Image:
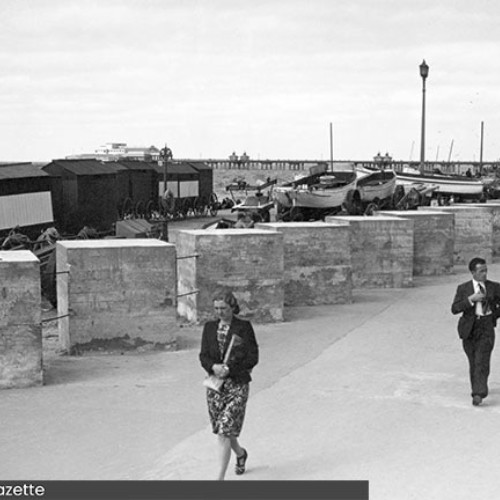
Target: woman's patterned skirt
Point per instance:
(227, 408)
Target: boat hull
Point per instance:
(447, 186)
(378, 185)
(319, 198)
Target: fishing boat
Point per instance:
(446, 186)
(321, 193)
(258, 205)
(376, 186)
(375, 189)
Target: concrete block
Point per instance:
(381, 251)
(433, 240)
(317, 262)
(20, 320)
(473, 232)
(493, 207)
(112, 291)
(249, 261)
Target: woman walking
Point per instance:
(226, 407)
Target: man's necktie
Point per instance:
(480, 310)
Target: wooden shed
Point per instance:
(205, 176)
(86, 194)
(25, 199)
(137, 182)
(182, 179)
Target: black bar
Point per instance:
(46, 320)
(185, 490)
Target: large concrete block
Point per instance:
(20, 320)
(433, 240)
(381, 251)
(112, 291)
(473, 231)
(493, 207)
(250, 261)
(317, 262)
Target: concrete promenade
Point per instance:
(374, 390)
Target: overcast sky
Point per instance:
(209, 77)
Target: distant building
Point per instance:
(112, 151)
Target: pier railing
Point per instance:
(455, 168)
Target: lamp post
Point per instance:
(424, 73)
(165, 155)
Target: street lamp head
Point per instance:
(166, 153)
(424, 70)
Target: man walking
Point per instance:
(479, 302)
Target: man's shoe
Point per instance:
(477, 400)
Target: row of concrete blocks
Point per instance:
(135, 289)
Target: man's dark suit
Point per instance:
(477, 334)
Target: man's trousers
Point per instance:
(478, 347)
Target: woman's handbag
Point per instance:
(212, 381)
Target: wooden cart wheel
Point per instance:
(397, 196)
(352, 203)
(413, 199)
(213, 204)
(189, 207)
(126, 209)
(184, 206)
(150, 208)
(139, 210)
(296, 214)
(371, 208)
(200, 206)
(280, 210)
(286, 215)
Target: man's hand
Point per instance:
(477, 297)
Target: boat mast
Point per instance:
(331, 147)
(451, 149)
(481, 149)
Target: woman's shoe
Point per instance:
(241, 462)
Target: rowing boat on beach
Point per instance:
(445, 185)
(375, 186)
(318, 194)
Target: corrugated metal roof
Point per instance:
(200, 165)
(176, 168)
(21, 171)
(87, 167)
(14, 163)
(137, 164)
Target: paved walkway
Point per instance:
(375, 390)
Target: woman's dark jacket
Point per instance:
(244, 355)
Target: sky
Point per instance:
(265, 77)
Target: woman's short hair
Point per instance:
(226, 295)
